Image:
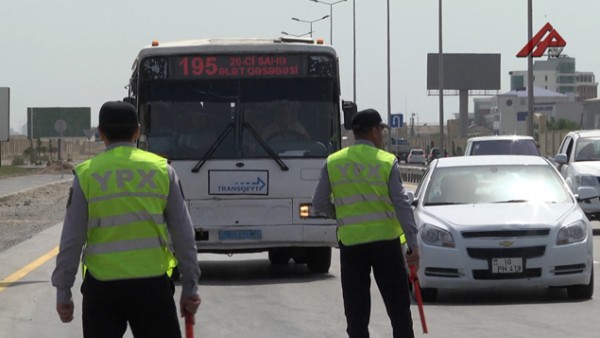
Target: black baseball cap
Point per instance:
(117, 114)
(366, 119)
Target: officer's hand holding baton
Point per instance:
(412, 257)
(189, 305)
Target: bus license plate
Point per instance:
(507, 265)
(239, 235)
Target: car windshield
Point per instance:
(495, 184)
(505, 147)
(588, 149)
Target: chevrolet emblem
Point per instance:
(506, 244)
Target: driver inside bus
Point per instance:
(198, 134)
(285, 127)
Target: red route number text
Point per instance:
(223, 66)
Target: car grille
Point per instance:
(506, 233)
(488, 254)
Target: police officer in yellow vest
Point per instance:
(373, 216)
(125, 209)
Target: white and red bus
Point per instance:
(247, 124)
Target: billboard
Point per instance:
(44, 122)
(4, 114)
(465, 71)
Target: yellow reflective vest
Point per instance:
(359, 183)
(126, 190)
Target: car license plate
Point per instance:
(238, 235)
(507, 265)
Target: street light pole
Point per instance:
(389, 82)
(441, 78)
(530, 97)
(311, 22)
(354, 51)
(330, 4)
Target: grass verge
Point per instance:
(9, 170)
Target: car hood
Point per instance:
(587, 167)
(481, 215)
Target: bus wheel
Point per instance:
(318, 260)
(279, 256)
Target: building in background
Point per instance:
(558, 74)
(509, 110)
(560, 91)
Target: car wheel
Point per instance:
(582, 291)
(318, 260)
(279, 256)
(429, 294)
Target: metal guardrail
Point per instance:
(412, 173)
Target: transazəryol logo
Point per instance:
(244, 186)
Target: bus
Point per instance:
(400, 147)
(247, 124)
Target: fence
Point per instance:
(71, 149)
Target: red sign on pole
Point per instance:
(536, 46)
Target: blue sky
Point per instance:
(78, 53)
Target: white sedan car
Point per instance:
(502, 221)
(416, 156)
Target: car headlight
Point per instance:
(435, 236)
(585, 180)
(572, 233)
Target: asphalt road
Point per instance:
(244, 296)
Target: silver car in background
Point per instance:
(502, 145)
(578, 160)
(502, 221)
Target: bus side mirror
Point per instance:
(349, 109)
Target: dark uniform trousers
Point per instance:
(147, 304)
(387, 261)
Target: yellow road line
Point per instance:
(24, 271)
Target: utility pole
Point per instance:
(441, 78)
(530, 97)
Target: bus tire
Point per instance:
(318, 260)
(279, 256)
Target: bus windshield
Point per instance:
(243, 118)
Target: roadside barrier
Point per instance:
(412, 174)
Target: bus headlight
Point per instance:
(307, 211)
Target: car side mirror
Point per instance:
(560, 158)
(586, 193)
(412, 200)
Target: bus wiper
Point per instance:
(213, 147)
(441, 203)
(266, 147)
(512, 201)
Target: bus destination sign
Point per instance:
(237, 66)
